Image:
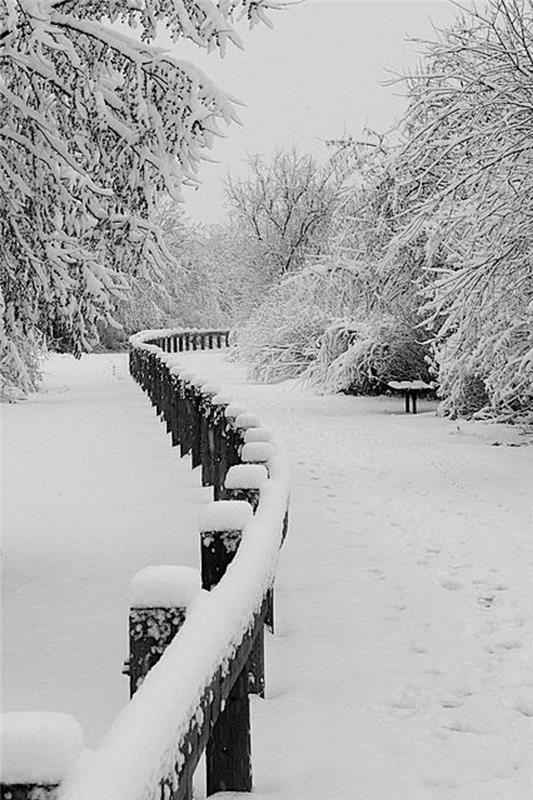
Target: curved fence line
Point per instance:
(196, 641)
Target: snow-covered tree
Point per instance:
(97, 123)
(285, 206)
(348, 321)
(467, 166)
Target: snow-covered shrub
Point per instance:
(490, 375)
(19, 367)
(464, 394)
(19, 360)
(360, 357)
(280, 339)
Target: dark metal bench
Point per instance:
(410, 391)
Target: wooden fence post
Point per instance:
(174, 405)
(195, 407)
(207, 440)
(185, 412)
(159, 598)
(220, 462)
(233, 438)
(228, 751)
(38, 749)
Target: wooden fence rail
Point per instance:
(194, 661)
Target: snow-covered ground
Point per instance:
(92, 493)
(402, 664)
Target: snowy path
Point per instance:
(402, 664)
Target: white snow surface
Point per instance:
(38, 747)
(401, 663)
(164, 586)
(225, 515)
(246, 476)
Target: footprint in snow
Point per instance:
(451, 701)
(485, 600)
(524, 705)
(405, 700)
(461, 726)
(418, 648)
(505, 644)
(450, 584)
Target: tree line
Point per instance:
(398, 256)
(422, 267)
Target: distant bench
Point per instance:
(410, 390)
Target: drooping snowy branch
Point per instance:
(468, 168)
(96, 125)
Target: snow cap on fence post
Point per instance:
(221, 399)
(257, 453)
(159, 599)
(258, 435)
(210, 389)
(234, 410)
(38, 749)
(246, 421)
(221, 525)
(244, 482)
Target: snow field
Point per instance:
(92, 493)
(140, 746)
(401, 665)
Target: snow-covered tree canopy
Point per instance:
(431, 251)
(97, 123)
(285, 205)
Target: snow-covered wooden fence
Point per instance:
(196, 640)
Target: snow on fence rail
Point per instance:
(196, 640)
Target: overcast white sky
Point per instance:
(317, 75)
